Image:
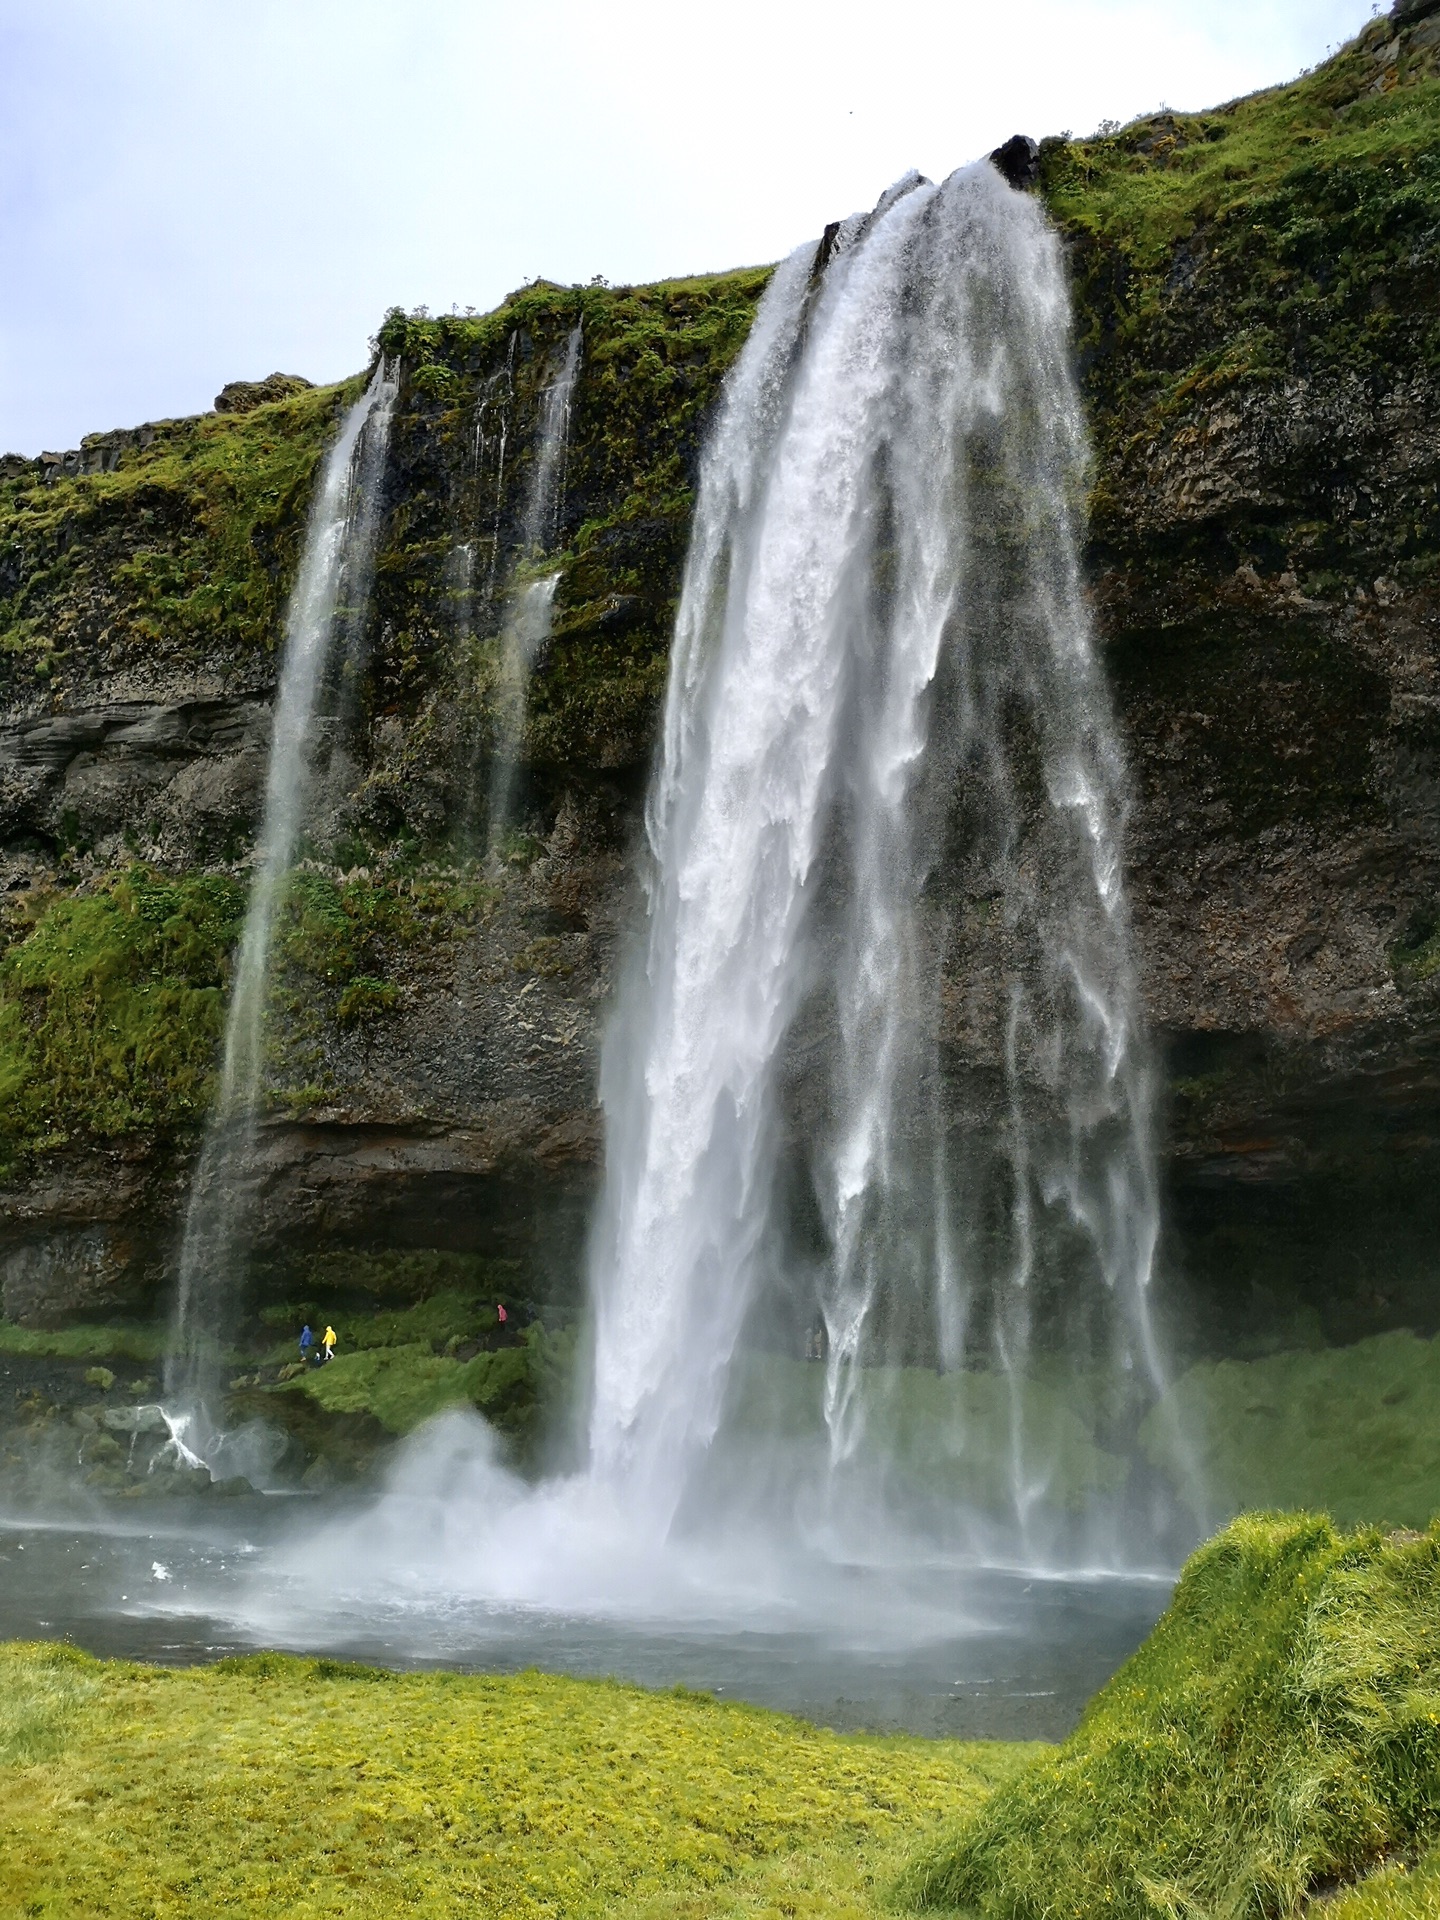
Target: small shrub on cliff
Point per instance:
(1279, 1731)
(365, 1001)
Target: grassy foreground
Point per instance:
(296, 1787)
(1276, 1739)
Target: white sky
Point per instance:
(194, 191)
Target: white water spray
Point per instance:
(326, 606)
(883, 667)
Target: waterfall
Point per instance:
(327, 606)
(527, 621)
(889, 808)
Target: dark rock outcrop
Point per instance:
(240, 396)
(1019, 162)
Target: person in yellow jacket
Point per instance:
(327, 1345)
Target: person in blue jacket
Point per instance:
(307, 1341)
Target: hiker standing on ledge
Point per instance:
(328, 1344)
(307, 1342)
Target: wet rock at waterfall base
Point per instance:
(1018, 161)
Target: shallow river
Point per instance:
(931, 1650)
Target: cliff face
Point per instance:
(1256, 299)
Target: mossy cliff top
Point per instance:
(173, 558)
(1258, 325)
(175, 553)
(652, 362)
(1256, 319)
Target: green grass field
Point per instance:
(291, 1787)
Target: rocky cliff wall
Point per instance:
(1256, 321)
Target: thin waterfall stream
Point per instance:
(327, 605)
(528, 614)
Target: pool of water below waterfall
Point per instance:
(936, 1650)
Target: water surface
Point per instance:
(939, 1651)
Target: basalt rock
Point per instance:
(1019, 162)
(240, 396)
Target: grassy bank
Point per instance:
(273, 1786)
(1276, 1738)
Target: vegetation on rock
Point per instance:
(1265, 1431)
(653, 361)
(184, 552)
(111, 1008)
(1280, 252)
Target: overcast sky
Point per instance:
(194, 191)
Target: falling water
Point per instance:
(889, 808)
(327, 604)
(532, 598)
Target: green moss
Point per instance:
(1353, 1431)
(948, 1438)
(654, 358)
(1288, 237)
(393, 1274)
(1279, 1730)
(186, 549)
(365, 1001)
(111, 1008)
(140, 1343)
(1415, 956)
(329, 1790)
(437, 1320)
(401, 1382)
(345, 943)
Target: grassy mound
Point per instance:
(1278, 1733)
(273, 1785)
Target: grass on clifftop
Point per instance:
(1289, 237)
(653, 361)
(276, 1786)
(188, 546)
(1278, 1733)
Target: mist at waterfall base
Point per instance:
(871, 1347)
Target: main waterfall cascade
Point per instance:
(323, 623)
(526, 627)
(887, 744)
(870, 1272)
